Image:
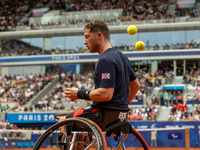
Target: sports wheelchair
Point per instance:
(106, 129)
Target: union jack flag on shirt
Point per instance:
(105, 76)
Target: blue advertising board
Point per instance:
(165, 138)
(21, 143)
(31, 117)
(96, 56)
(175, 135)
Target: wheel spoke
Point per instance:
(122, 141)
(132, 142)
(90, 145)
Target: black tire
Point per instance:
(91, 132)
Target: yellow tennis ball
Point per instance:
(140, 45)
(132, 30)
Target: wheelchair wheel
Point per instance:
(77, 133)
(133, 141)
(59, 115)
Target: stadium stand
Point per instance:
(151, 101)
(13, 48)
(145, 11)
(56, 101)
(13, 11)
(185, 106)
(18, 90)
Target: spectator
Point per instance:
(55, 107)
(195, 97)
(77, 49)
(138, 116)
(180, 98)
(191, 109)
(171, 117)
(25, 108)
(144, 115)
(185, 108)
(184, 79)
(153, 114)
(132, 115)
(177, 116)
(148, 109)
(30, 108)
(174, 98)
(170, 97)
(157, 82)
(62, 107)
(183, 116)
(166, 98)
(196, 116)
(6, 125)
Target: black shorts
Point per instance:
(79, 113)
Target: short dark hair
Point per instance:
(98, 26)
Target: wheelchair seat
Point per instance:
(106, 116)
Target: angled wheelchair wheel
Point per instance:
(76, 134)
(126, 141)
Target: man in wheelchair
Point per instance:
(116, 83)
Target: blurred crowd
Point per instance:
(7, 134)
(84, 81)
(147, 10)
(12, 48)
(57, 97)
(12, 11)
(169, 98)
(71, 5)
(7, 125)
(167, 18)
(20, 89)
(181, 112)
(191, 45)
(132, 10)
(192, 77)
(149, 113)
(55, 100)
(195, 96)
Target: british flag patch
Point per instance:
(105, 76)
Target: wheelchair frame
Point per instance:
(97, 131)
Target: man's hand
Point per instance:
(71, 93)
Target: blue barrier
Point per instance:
(195, 102)
(20, 145)
(170, 138)
(26, 144)
(174, 87)
(162, 136)
(32, 144)
(136, 103)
